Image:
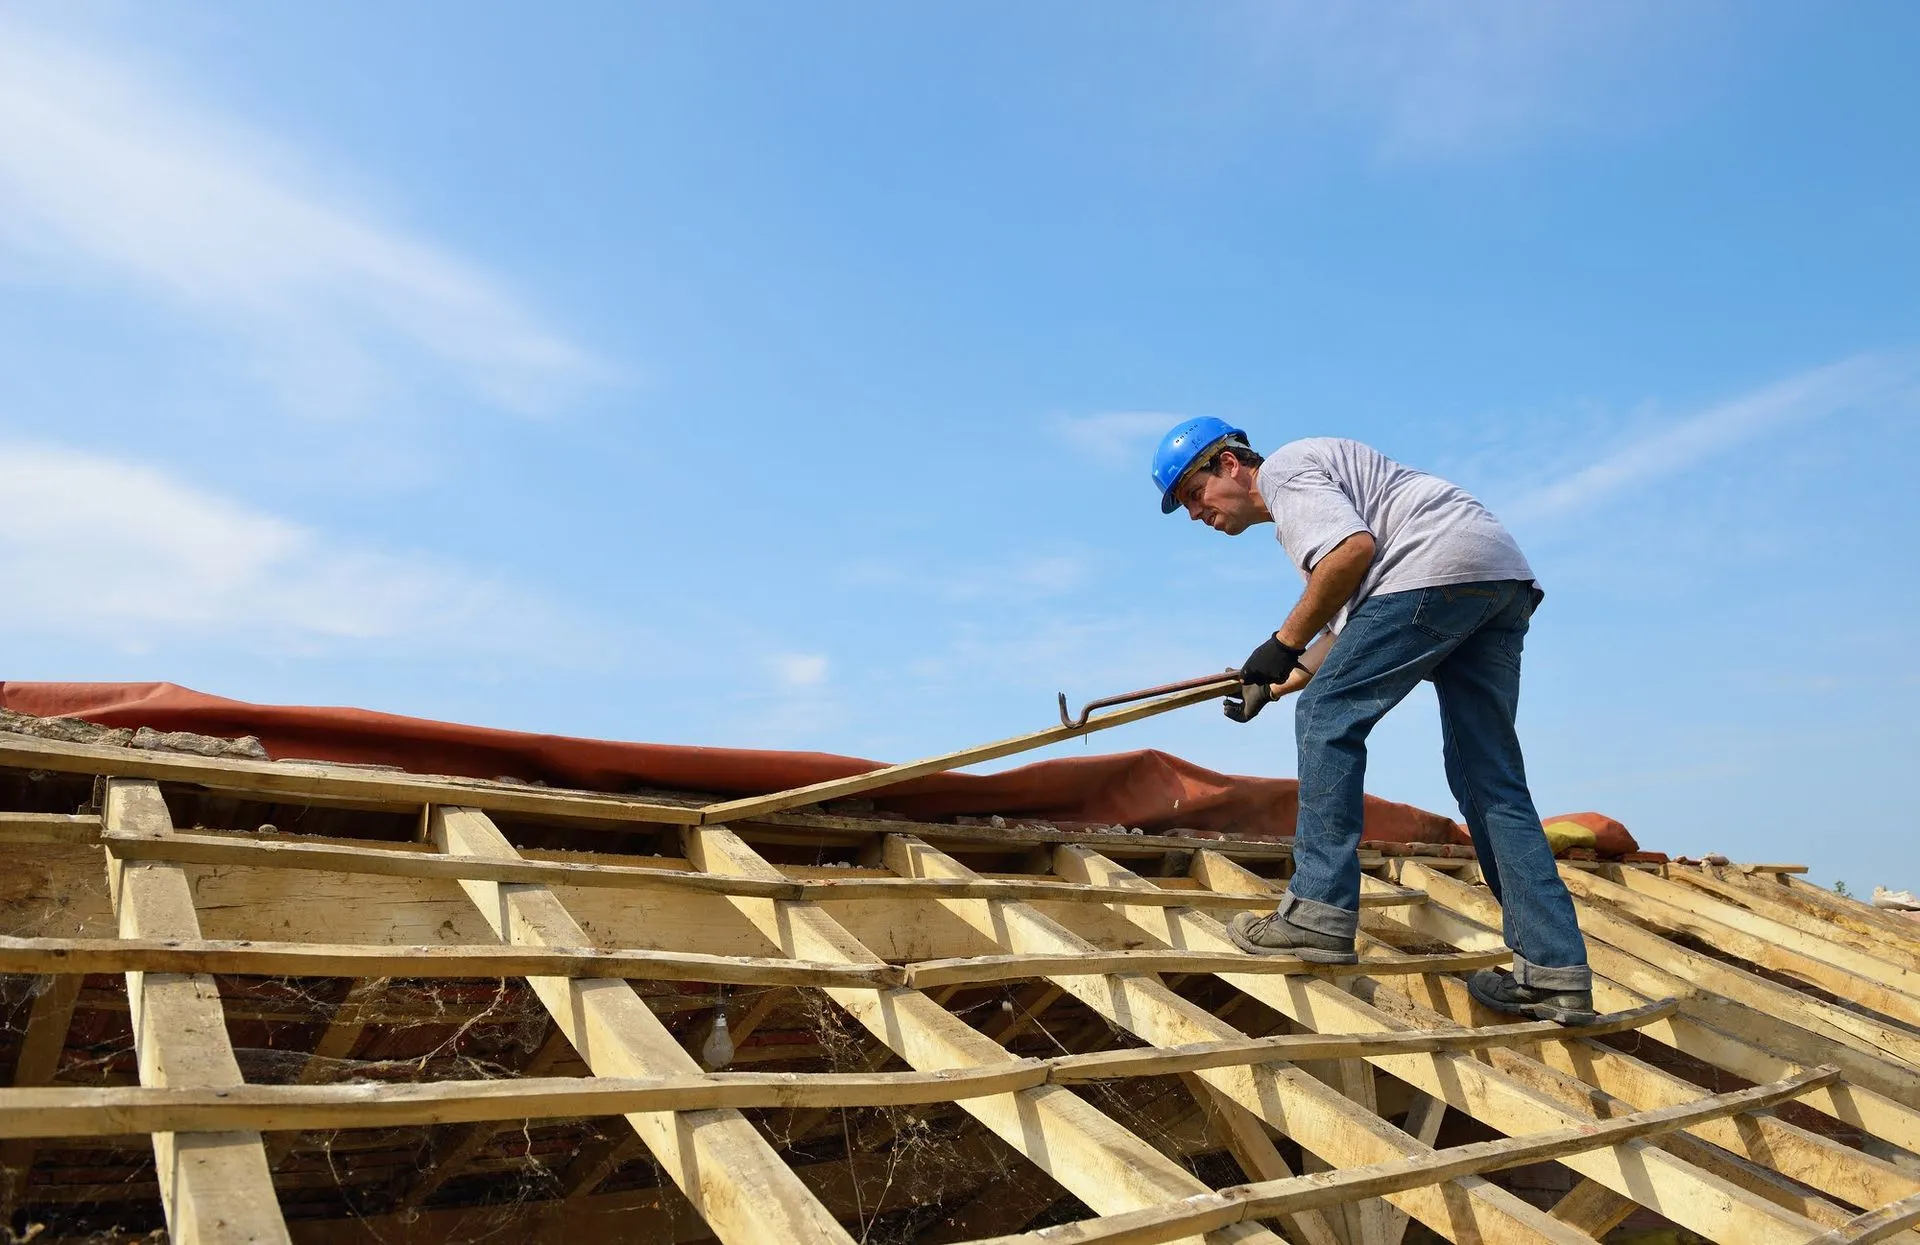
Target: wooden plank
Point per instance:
(1776, 908)
(1423, 1125)
(1246, 1202)
(1244, 1135)
(1090, 1155)
(1735, 1044)
(262, 958)
(1593, 1208)
(1772, 1145)
(120, 1110)
(840, 788)
(210, 849)
(1677, 1190)
(214, 1186)
(1321, 1120)
(330, 784)
(1839, 970)
(723, 1166)
(1875, 1225)
(37, 1064)
(49, 828)
(1851, 1028)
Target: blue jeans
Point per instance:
(1466, 638)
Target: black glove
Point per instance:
(1272, 662)
(1246, 706)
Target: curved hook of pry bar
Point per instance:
(1146, 693)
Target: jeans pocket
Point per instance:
(1455, 611)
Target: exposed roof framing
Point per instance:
(940, 1033)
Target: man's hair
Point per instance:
(1245, 455)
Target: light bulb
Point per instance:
(717, 1050)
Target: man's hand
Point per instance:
(1272, 662)
(1247, 705)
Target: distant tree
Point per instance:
(1840, 889)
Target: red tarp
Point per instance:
(1147, 790)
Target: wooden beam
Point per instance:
(1100, 1162)
(37, 1064)
(1838, 970)
(723, 1166)
(214, 1186)
(1875, 1225)
(308, 783)
(1248, 1202)
(1322, 1121)
(211, 849)
(1593, 1208)
(1458, 913)
(1777, 908)
(49, 828)
(840, 788)
(1675, 1189)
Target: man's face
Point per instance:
(1223, 497)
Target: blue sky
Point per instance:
(785, 375)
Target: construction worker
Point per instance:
(1410, 578)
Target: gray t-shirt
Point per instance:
(1426, 531)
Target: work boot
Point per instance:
(1497, 989)
(1270, 935)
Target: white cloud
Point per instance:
(1116, 436)
(1851, 384)
(1437, 77)
(131, 556)
(105, 173)
(797, 670)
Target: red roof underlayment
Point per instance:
(1148, 790)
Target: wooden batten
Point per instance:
(1067, 1028)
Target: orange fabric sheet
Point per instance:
(1148, 790)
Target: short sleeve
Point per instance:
(1313, 515)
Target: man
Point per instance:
(1414, 580)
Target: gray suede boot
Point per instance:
(1271, 935)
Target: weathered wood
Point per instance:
(1875, 1225)
(1593, 1208)
(49, 828)
(1086, 1152)
(984, 968)
(1867, 980)
(209, 849)
(330, 784)
(1466, 917)
(1321, 1120)
(292, 959)
(215, 1186)
(1247, 1202)
(1677, 1190)
(1244, 1135)
(840, 788)
(37, 1064)
(723, 1166)
(1778, 908)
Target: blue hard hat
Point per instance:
(1188, 443)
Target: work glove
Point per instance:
(1252, 699)
(1272, 662)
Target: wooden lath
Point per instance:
(1805, 998)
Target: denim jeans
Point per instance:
(1466, 638)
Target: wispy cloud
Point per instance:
(796, 670)
(1115, 436)
(1437, 78)
(1029, 578)
(106, 173)
(1679, 444)
(134, 557)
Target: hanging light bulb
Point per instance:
(717, 1050)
